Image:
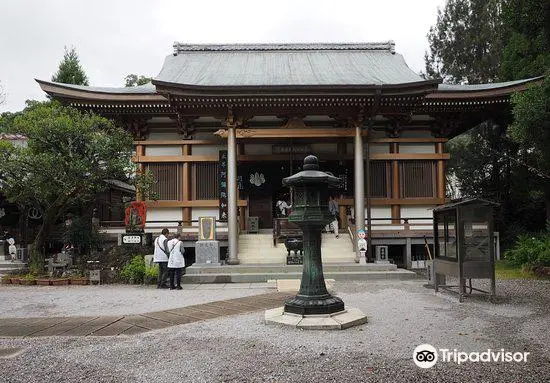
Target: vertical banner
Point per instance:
(222, 187)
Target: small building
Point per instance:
(222, 125)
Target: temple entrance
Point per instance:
(263, 186)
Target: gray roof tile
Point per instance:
(286, 64)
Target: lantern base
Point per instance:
(337, 321)
(314, 304)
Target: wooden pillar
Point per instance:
(186, 186)
(440, 172)
(140, 151)
(395, 209)
(232, 210)
(359, 180)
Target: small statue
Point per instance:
(362, 242)
(12, 250)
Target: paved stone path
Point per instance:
(135, 324)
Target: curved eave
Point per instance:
(85, 96)
(497, 91)
(420, 87)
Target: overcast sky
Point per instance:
(114, 38)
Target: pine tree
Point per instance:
(466, 42)
(70, 71)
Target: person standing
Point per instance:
(160, 256)
(176, 261)
(333, 209)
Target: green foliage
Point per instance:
(151, 274)
(530, 250)
(134, 271)
(466, 42)
(117, 256)
(68, 157)
(135, 80)
(527, 50)
(70, 71)
(82, 235)
(503, 270)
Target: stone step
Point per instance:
(283, 268)
(397, 275)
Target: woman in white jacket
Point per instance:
(176, 262)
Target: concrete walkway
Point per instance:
(135, 324)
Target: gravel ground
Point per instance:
(242, 348)
(51, 301)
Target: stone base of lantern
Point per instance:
(336, 321)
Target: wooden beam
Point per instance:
(179, 142)
(409, 156)
(186, 158)
(195, 203)
(409, 139)
(397, 201)
(291, 133)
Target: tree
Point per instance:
(531, 129)
(527, 51)
(466, 42)
(527, 54)
(134, 80)
(68, 156)
(70, 71)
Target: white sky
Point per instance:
(114, 38)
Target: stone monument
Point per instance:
(313, 307)
(207, 248)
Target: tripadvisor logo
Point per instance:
(426, 356)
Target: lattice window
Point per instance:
(205, 180)
(169, 180)
(417, 179)
(380, 177)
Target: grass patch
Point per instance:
(504, 270)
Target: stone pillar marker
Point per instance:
(314, 307)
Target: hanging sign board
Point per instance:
(222, 187)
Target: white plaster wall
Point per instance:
(416, 148)
(172, 214)
(253, 149)
(206, 150)
(206, 136)
(374, 147)
(163, 136)
(419, 212)
(324, 148)
(380, 212)
(162, 150)
(197, 212)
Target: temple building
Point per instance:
(222, 125)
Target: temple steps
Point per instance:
(265, 272)
(259, 249)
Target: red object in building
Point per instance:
(136, 215)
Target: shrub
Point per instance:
(151, 274)
(134, 271)
(530, 250)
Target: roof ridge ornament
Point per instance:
(371, 46)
